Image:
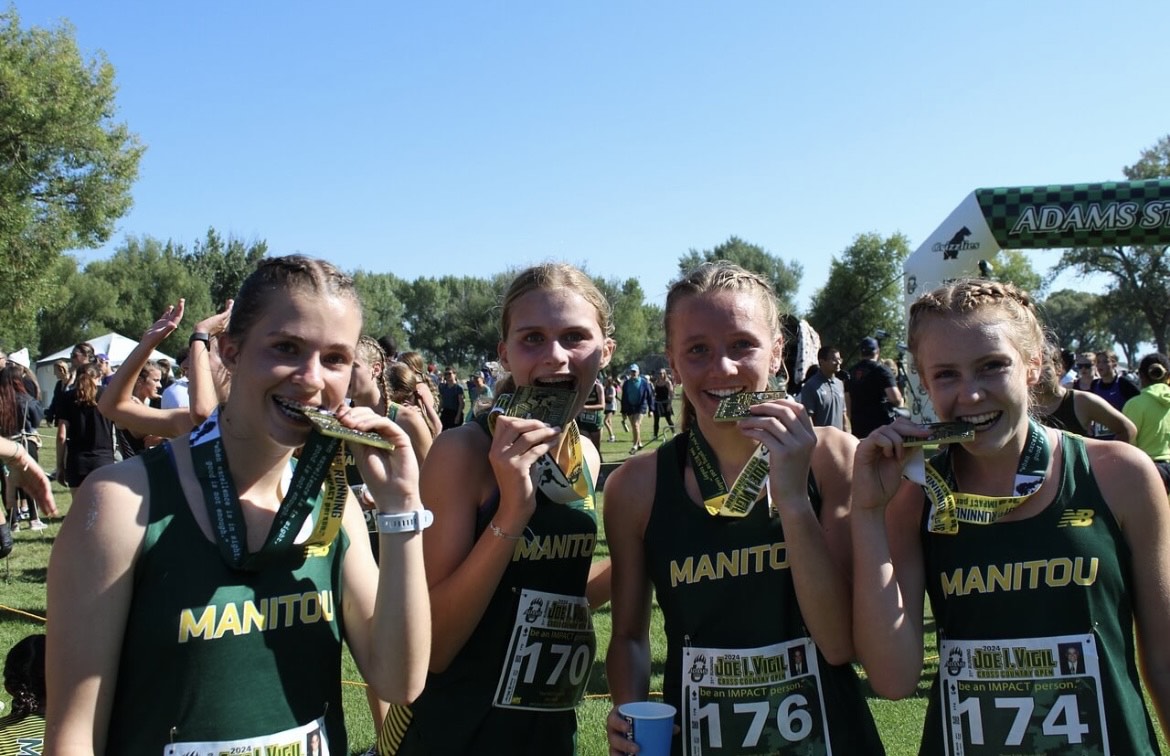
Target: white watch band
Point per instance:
(407, 522)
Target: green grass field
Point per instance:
(22, 609)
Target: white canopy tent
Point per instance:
(114, 345)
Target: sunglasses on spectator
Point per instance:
(1084, 365)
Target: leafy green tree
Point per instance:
(637, 325)
(862, 294)
(453, 318)
(1072, 316)
(784, 276)
(1015, 267)
(129, 290)
(383, 311)
(66, 165)
(473, 335)
(223, 264)
(1125, 323)
(83, 306)
(1139, 276)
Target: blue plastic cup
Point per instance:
(653, 726)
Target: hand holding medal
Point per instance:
(384, 456)
(784, 428)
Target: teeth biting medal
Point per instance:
(327, 424)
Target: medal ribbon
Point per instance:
(745, 491)
(555, 483)
(322, 460)
(948, 508)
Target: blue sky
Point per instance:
(464, 138)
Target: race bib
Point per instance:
(1024, 696)
(549, 655)
(752, 702)
(306, 740)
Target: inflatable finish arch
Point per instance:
(1119, 213)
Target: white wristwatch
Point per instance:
(407, 522)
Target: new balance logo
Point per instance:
(1076, 518)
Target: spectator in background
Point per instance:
(23, 731)
(166, 378)
(823, 393)
(451, 400)
(479, 396)
(126, 400)
(873, 393)
(637, 398)
(1149, 411)
(1112, 385)
(389, 347)
(1086, 373)
(20, 416)
(589, 419)
(406, 386)
(64, 373)
(145, 391)
(85, 437)
(611, 403)
(105, 370)
(1067, 376)
(663, 400)
(176, 395)
(1072, 410)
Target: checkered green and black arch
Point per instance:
(1127, 213)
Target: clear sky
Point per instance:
(462, 138)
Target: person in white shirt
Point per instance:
(175, 396)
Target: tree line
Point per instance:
(67, 166)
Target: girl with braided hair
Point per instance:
(369, 386)
(23, 731)
(1040, 551)
(424, 389)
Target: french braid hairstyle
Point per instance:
(371, 352)
(1004, 304)
(715, 276)
(24, 676)
(273, 280)
(414, 360)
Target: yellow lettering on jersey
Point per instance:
(201, 628)
(229, 621)
(727, 564)
(260, 615)
(1018, 576)
(555, 547)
